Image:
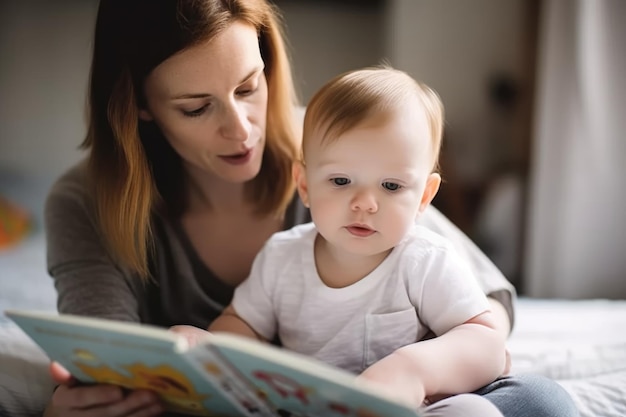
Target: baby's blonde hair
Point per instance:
(352, 97)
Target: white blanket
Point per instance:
(581, 344)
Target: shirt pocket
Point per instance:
(384, 333)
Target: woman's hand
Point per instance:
(71, 400)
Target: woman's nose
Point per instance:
(364, 201)
(235, 123)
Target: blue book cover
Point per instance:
(137, 356)
(224, 375)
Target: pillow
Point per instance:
(15, 223)
(25, 383)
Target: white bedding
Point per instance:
(581, 344)
(23, 279)
(24, 379)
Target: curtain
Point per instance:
(576, 236)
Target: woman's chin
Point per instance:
(241, 174)
(239, 171)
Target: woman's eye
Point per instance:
(195, 113)
(339, 181)
(246, 92)
(391, 186)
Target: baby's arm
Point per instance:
(229, 321)
(463, 359)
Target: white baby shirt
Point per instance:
(422, 284)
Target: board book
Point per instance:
(223, 375)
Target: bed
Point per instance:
(580, 344)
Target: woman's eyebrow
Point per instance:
(191, 95)
(252, 73)
(186, 96)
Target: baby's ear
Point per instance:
(299, 176)
(432, 186)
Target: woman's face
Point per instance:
(210, 102)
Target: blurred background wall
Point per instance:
(44, 67)
(576, 235)
(483, 57)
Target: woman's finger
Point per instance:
(78, 397)
(104, 401)
(60, 374)
(137, 404)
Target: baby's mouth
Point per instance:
(360, 230)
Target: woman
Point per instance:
(191, 138)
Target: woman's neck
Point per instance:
(206, 192)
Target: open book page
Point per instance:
(300, 386)
(224, 375)
(137, 356)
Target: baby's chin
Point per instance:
(363, 247)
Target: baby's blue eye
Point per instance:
(391, 186)
(339, 181)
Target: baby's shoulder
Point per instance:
(424, 247)
(421, 238)
(427, 253)
(295, 237)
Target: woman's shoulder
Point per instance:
(69, 196)
(71, 184)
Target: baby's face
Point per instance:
(365, 188)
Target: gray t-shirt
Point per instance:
(183, 290)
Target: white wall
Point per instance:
(453, 46)
(45, 52)
(577, 237)
(326, 39)
(44, 56)
(450, 44)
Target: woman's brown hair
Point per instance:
(133, 170)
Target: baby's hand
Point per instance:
(191, 333)
(393, 378)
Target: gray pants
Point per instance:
(462, 405)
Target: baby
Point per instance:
(361, 286)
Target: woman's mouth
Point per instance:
(238, 158)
